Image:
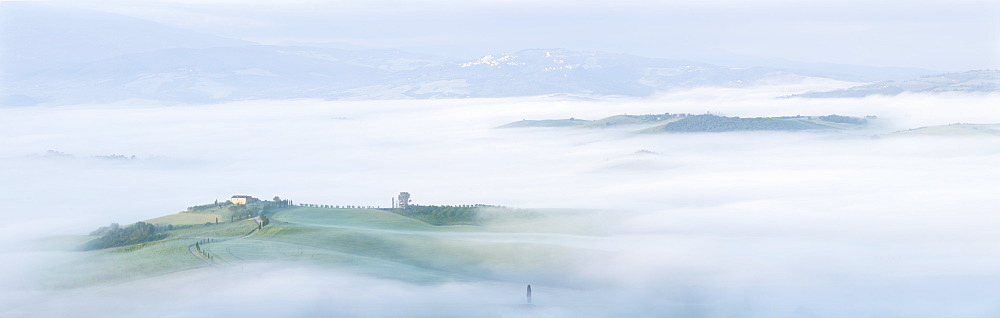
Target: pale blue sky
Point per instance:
(941, 35)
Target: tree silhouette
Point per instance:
(529, 293)
(404, 200)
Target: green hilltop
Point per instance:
(625, 120)
(570, 122)
(957, 129)
(613, 121)
(713, 123)
(678, 123)
(418, 244)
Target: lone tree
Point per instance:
(529, 293)
(278, 202)
(404, 200)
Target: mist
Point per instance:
(762, 224)
(118, 112)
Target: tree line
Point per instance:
(655, 117)
(843, 119)
(713, 123)
(116, 236)
(443, 214)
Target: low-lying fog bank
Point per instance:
(763, 224)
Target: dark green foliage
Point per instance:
(104, 229)
(440, 214)
(712, 123)
(276, 202)
(116, 236)
(268, 207)
(652, 117)
(246, 211)
(843, 119)
(203, 207)
(115, 157)
(404, 200)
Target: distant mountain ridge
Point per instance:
(216, 74)
(96, 57)
(37, 37)
(981, 81)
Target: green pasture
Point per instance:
(208, 213)
(950, 130)
(357, 218)
(367, 242)
(117, 265)
(624, 120)
(185, 218)
(835, 125)
(545, 123)
(227, 230)
(121, 264)
(387, 245)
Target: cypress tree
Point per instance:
(529, 293)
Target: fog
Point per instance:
(607, 222)
(802, 224)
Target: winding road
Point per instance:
(191, 248)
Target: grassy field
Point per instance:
(545, 123)
(624, 120)
(368, 242)
(201, 214)
(613, 121)
(185, 218)
(115, 265)
(357, 218)
(950, 130)
(817, 120)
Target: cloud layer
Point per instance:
(754, 224)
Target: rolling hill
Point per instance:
(370, 242)
(981, 81)
(949, 130)
(681, 123)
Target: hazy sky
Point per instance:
(940, 35)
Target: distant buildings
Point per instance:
(242, 199)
